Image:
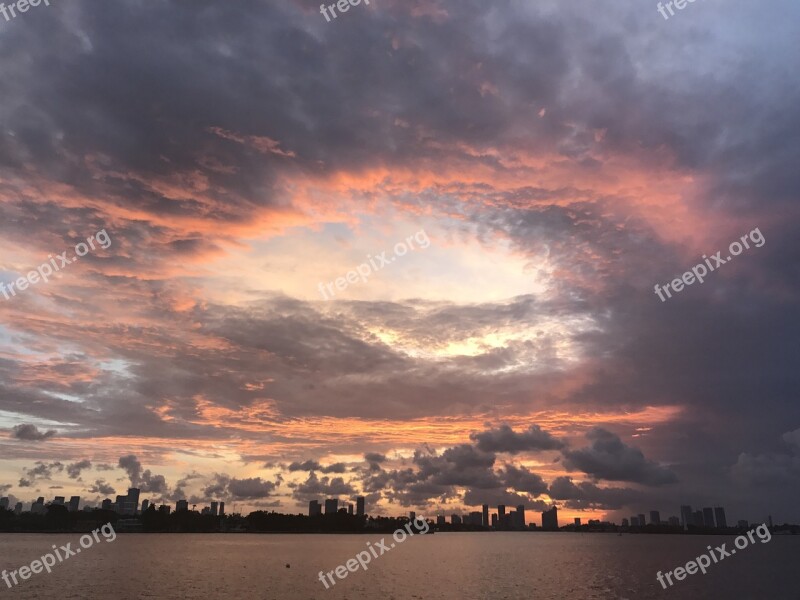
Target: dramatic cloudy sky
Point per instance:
(554, 159)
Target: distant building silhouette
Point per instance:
(697, 518)
(708, 517)
(719, 515)
(221, 509)
(360, 506)
(494, 520)
(550, 519)
(578, 521)
(674, 521)
(145, 505)
(58, 501)
(625, 523)
(4, 503)
(106, 504)
(501, 516)
(314, 508)
(686, 516)
(349, 508)
(440, 520)
(485, 516)
(642, 522)
(132, 503)
(331, 506)
(18, 508)
(655, 517)
(521, 515)
(180, 506)
(455, 519)
(634, 521)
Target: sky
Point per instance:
(512, 178)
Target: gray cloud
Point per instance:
(609, 458)
(505, 439)
(31, 433)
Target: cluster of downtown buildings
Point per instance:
(123, 505)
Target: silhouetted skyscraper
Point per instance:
(708, 517)
(360, 506)
(74, 503)
(455, 519)
(349, 508)
(331, 506)
(106, 504)
(642, 522)
(521, 515)
(655, 517)
(132, 503)
(180, 506)
(697, 518)
(494, 520)
(214, 509)
(314, 508)
(719, 515)
(221, 509)
(577, 521)
(635, 521)
(686, 516)
(145, 505)
(485, 516)
(58, 501)
(501, 516)
(4, 503)
(550, 519)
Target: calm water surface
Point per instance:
(446, 566)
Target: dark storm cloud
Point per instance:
(609, 458)
(505, 439)
(146, 481)
(31, 433)
(314, 487)
(311, 465)
(102, 488)
(586, 495)
(74, 470)
(374, 457)
(226, 487)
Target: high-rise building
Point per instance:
(719, 515)
(74, 503)
(350, 508)
(106, 504)
(214, 508)
(708, 517)
(521, 516)
(625, 523)
(655, 517)
(455, 519)
(18, 508)
(4, 503)
(578, 522)
(441, 520)
(58, 501)
(494, 520)
(674, 522)
(476, 518)
(550, 519)
(686, 516)
(634, 521)
(412, 515)
(331, 506)
(501, 516)
(642, 522)
(37, 507)
(164, 509)
(180, 506)
(485, 515)
(146, 505)
(221, 509)
(360, 506)
(132, 501)
(697, 518)
(314, 508)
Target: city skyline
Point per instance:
(437, 254)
